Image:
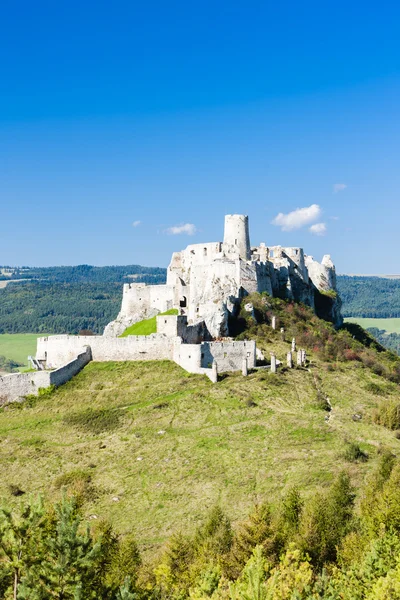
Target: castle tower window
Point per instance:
(183, 302)
(205, 251)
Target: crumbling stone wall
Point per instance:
(228, 355)
(18, 385)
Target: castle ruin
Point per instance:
(205, 283)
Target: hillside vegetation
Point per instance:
(149, 451)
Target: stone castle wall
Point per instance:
(58, 349)
(17, 385)
(229, 355)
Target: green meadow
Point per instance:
(18, 346)
(389, 325)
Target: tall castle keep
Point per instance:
(207, 281)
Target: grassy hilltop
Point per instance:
(152, 448)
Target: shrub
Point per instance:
(350, 354)
(353, 453)
(387, 414)
(376, 388)
(78, 483)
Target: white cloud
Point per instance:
(136, 223)
(297, 218)
(339, 187)
(187, 228)
(318, 229)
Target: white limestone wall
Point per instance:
(66, 372)
(212, 288)
(228, 355)
(188, 356)
(146, 300)
(58, 349)
(18, 385)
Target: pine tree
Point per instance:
(256, 531)
(69, 560)
(20, 547)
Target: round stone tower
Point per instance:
(236, 235)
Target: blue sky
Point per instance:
(128, 129)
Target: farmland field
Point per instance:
(18, 346)
(389, 325)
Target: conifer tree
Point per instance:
(69, 560)
(20, 544)
(256, 531)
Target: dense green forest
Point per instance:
(67, 299)
(370, 297)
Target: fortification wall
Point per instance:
(66, 372)
(228, 355)
(17, 385)
(59, 349)
(188, 356)
(176, 326)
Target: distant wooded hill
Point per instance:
(371, 297)
(66, 299)
(86, 274)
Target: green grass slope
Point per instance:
(152, 447)
(148, 326)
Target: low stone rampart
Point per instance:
(66, 372)
(18, 385)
